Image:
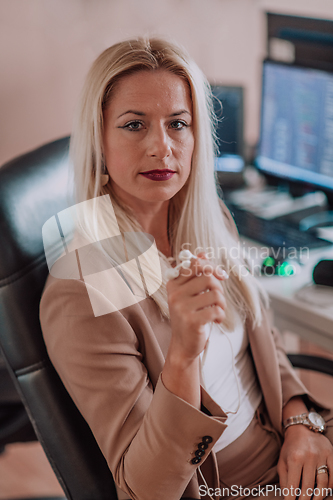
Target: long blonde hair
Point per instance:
(198, 218)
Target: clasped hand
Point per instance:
(303, 451)
(195, 298)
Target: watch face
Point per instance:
(316, 419)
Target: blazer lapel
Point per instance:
(267, 368)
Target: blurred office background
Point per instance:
(47, 47)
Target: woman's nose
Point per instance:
(158, 143)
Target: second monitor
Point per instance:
(229, 110)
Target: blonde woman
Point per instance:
(186, 390)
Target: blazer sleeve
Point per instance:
(148, 435)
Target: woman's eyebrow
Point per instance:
(182, 111)
(140, 113)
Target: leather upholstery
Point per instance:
(33, 189)
(15, 425)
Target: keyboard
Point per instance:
(274, 233)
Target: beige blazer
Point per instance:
(111, 367)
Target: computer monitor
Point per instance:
(229, 109)
(309, 40)
(296, 137)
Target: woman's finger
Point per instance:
(308, 481)
(208, 299)
(200, 285)
(321, 484)
(294, 474)
(202, 255)
(212, 314)
(330, 470)
(283, 474)
(190, 304)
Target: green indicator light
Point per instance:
(269, 261)
(285, 269)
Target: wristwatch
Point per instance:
(312, 420)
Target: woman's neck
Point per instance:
(155, 222)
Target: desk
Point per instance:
(310, 322)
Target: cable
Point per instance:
(205, 483)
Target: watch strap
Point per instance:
(297, 419)
(306, 420)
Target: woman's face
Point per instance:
(148, 137)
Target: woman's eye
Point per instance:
(133, 126)
(178, 124)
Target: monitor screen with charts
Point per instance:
(296, 138)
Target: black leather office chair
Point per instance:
(15, 425)
(315, 363)
(32, 189)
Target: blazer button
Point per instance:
(202, 446)
(200, 453)
(196, 460)
(207, 439)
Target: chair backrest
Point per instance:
(33, 188)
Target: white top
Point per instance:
(218, 378)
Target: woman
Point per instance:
(186, 389)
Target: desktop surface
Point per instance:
(274, 233)
(298, 305)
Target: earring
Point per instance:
(104, 179)
(105, 176)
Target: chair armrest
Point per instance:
(315, 363)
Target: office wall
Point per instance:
(47, 46)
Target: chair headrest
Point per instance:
(33, 187)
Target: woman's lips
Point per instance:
(158, 175)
